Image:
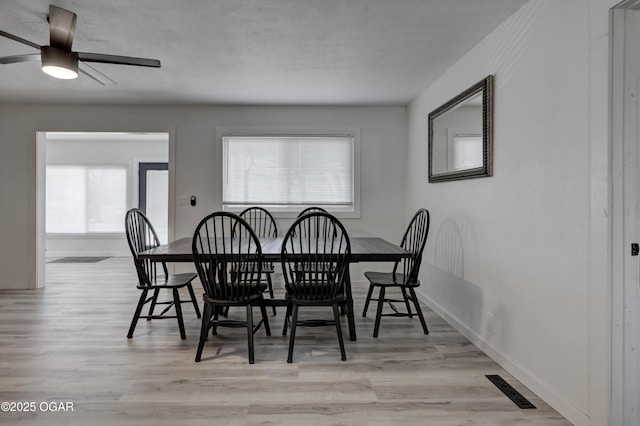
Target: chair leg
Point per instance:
(343, 309)
(216, 314)
(270, 285)
(250, 332)
(204, 329)
(292, 338)
(154, 300)
(176, 301)
(418, 310)
(376, 327)
(287, 315)
(406, 301)
(265, 319)
(136, 315)
(367, 300)
(336, 316)
(193, 300)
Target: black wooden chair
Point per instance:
(153, 276)
(315, 229)
(315, 258)
(403, 276)
(228, 258)
(264, 225)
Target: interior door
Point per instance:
(153, 196)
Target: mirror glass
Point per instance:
(460, 136)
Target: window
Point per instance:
(467, 152)
(86, 199)
(286, 173)
(465, 149)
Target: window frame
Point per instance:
(292, 212)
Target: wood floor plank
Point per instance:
(67, 343)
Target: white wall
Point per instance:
(104, 150)
(194, 161)
(531, 240)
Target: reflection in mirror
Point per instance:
(460, 145)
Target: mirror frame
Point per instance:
(485, 87)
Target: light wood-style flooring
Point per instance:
(67, 343)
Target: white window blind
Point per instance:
(86, 199)
(288, 171)
(467, 152)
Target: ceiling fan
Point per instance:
(59, 61)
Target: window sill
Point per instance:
(290, 213)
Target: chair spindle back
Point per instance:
(142, 236)
(261, 221)
(413, 240)
(228, 257)
(315, 257)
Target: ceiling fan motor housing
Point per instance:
(59, 63)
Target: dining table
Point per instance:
(363, 249)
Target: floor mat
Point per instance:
(83, 259)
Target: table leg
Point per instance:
(350, 315)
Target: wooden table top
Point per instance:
(363, 249)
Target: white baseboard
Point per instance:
(549, 395)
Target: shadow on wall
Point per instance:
(458, 301)
(449, 254)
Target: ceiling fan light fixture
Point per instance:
(59, 63)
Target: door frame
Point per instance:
(40, 195)
(143, 168)
(624, 406)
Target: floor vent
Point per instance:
(508, 390)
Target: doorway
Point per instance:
(153, 197)
(83, 216)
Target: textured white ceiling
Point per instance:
(301, 52)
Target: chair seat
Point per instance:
(389, 279)
(310, 301)
(248, 298)
(171, 281)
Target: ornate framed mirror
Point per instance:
(461, 135)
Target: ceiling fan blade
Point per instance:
(115, 59)
(62, 26)
(20, 58)
(89, 71)
(19, 39)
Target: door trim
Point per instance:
(625, 224)
(143, 168)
